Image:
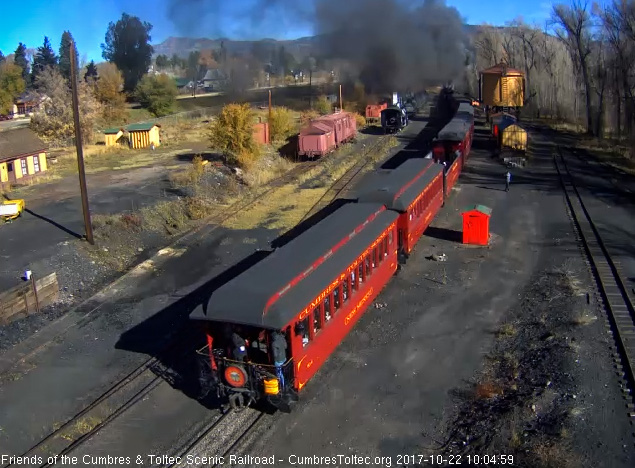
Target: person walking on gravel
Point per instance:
(508, 179)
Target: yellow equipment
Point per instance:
(514, 137)
(11, 209)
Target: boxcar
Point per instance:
(343, 125)
(271, 328)
(414, 190)
(316, 140)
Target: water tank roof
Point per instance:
(502, 69)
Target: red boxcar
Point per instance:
(373, 112)
(414, 190)
(306, 295)
(316, 140)
(456, 136)
(342, 123)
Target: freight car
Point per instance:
(342, 123)
(393, 119)
(373, 113)
(316, 140)
(324, 134)
(270, 329)
(502, 88)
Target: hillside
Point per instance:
(301, 47)
(182, 46)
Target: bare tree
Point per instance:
(575, 32)
(489, 44)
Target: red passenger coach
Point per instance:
(272, 327)
(414, 189)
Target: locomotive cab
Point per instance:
(247, 364)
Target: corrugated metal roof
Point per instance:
(19, 143)
(141, 127)
(113, 130)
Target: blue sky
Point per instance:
(88, 19)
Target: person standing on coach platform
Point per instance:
(508, 179)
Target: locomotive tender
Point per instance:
(271, 328)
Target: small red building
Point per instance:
(476, 225)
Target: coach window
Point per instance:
(327, 308)
(317, 320)
(368, 269)
(375, 257)
(381, 250)
(304, 327)
(385, 246)
(390, 238)
(337, 300)
(360, 272)
(345, 289)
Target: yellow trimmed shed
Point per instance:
(144, 134)
(514, 137)
(113, 136)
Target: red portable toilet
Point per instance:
(476, 225)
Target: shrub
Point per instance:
(323, 106)
(245, 159)
(281, 125)
(360, 120)
(169, 216)
(232, 131)
(157, 94)
(307, 116)
(197, 208)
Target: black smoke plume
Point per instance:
(392, 45)
(395, 45)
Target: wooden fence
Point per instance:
(28, 298)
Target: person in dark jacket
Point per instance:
(239, 347)
(279, 352)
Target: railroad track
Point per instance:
(607, 274)
(142, 380)
(345, 180)
(108, 406)
(220, 439)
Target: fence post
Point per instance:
(37, 302)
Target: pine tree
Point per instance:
(20, 60)
(65, 55)
(91, 72)
(2, 57)
(45, 57)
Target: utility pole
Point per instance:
(78, 145)
(269, 107)
(341, 103)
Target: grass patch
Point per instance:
(507, 329)
(81, 427)
(286, 206)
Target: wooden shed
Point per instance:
(144, 134)
(514, 137)
(113, 136)
(502, 86)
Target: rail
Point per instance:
(144, 379)
(345, 180)
(606, 272)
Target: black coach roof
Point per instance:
(399, 187)
(275, 290)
